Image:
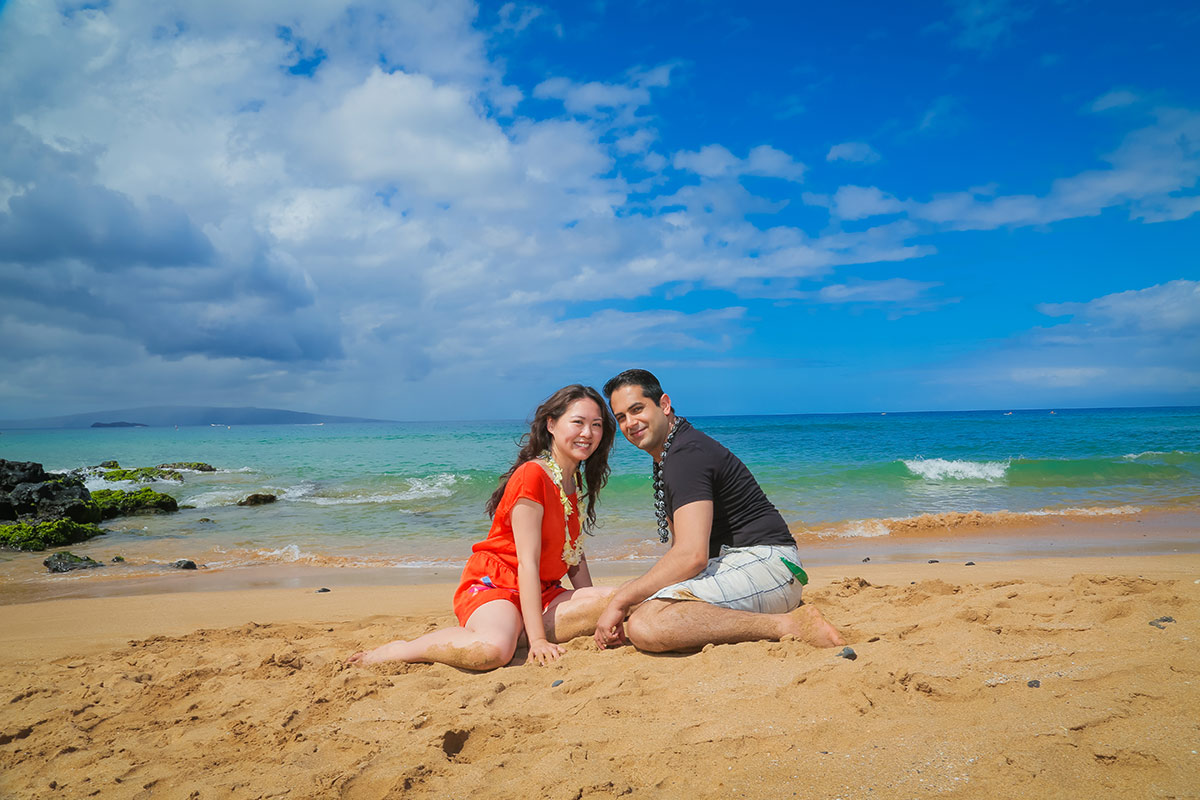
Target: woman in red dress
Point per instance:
(511, 587)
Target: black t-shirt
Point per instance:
(700, 468)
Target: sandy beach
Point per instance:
(1034, 678)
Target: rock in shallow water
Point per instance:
(184, 563)
(66, 562)
(257, 500)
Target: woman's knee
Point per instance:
(593, 594)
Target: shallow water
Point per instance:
(412, 494)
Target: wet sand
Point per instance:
(1038, 677)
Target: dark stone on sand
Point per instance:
(322, 590)
(1034, 684)
(257, 499)
(865, 560)
(184, 563)
(969, 564)
(933, 561)
(848, 654)
(66, 562)
(1159, 623)
(556, 683)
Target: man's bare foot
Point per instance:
(808, 625)
(392, 651)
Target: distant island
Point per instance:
(168, 416)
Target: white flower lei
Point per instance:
(571, 552)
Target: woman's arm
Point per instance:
(527, 531)
(580, 577)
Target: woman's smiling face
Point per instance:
(577, 433)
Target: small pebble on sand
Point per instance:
(556, 683)
(322, 589)
(969, 564)
(1159, 623)
(865, 560)
(1033, 684)
(933, 561)
(848, 654)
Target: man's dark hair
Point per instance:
(651, 388)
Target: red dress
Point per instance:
(491, 571)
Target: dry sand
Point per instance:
(244, 694)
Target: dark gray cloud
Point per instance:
(61, 217)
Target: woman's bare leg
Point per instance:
(487, 641)
(574, 613)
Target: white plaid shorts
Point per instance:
(743, 578)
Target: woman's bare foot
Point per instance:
(807, 624)
(392, 651)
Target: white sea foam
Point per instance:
(220, 497)
(1155, 454)
(862, 529)
(940, 469)
(287, 553)
(435, 486)
(1092, 511)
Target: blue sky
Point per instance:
(430, 210)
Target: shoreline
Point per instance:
(1016, 537)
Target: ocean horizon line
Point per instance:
(342, 419)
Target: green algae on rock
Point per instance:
(41, 535)
(142, 475)
(190, 466)
(118, 502)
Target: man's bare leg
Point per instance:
(660, 626)
(575, 613)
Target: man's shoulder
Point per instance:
(697, 441)
(691, 450)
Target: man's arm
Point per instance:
(692, 528)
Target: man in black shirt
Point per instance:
(732, 573)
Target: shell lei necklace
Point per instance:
(660, 490)
(571, 552)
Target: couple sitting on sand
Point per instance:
(732, 573)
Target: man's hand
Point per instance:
(543, 652)
(609, 628)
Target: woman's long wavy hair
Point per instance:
(538, 440)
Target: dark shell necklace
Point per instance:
(660, 490)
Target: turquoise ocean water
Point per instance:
(413, 493)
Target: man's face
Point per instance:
(644, 422)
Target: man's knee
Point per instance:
(646, 628)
